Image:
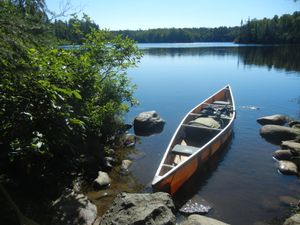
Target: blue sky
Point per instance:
(145, 14)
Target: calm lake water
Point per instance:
(241, 182)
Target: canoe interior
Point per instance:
(190, 137)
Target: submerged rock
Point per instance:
(202, 220)
(147, 123)
(288, 200)
(276, 119)
(156, 208)
(288, 168)
(276, 133)
(250, 107)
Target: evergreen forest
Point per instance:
(278, 30)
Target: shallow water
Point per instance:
(241, 182)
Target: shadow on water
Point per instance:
(202, 175)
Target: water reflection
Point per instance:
(277, 57)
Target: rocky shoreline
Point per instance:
(285, 132)
(128, 207)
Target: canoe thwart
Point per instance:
(167, 165)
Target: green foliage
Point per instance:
(278, 30)
(53, 101)
(20, 30)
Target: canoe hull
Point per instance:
(175, 180)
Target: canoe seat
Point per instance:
(184, 149)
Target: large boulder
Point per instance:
(276, 119)
(276, 133)
(202, 220)
(72, 208)
(149, 209)
(293, 220)
(147, 123)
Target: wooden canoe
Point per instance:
(200, 134)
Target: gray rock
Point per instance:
(293, 220)
(102, 181)
(287, 167)
(283, 154)
(148, 209)
(202, 220)
(73, 208)
(292, 145)
(276, 119)
(276, 133)
(147, 123)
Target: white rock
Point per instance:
(103, 180)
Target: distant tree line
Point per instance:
(278, 30)
(171, 35)
(281, 30)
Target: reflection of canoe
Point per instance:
(199, 135)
